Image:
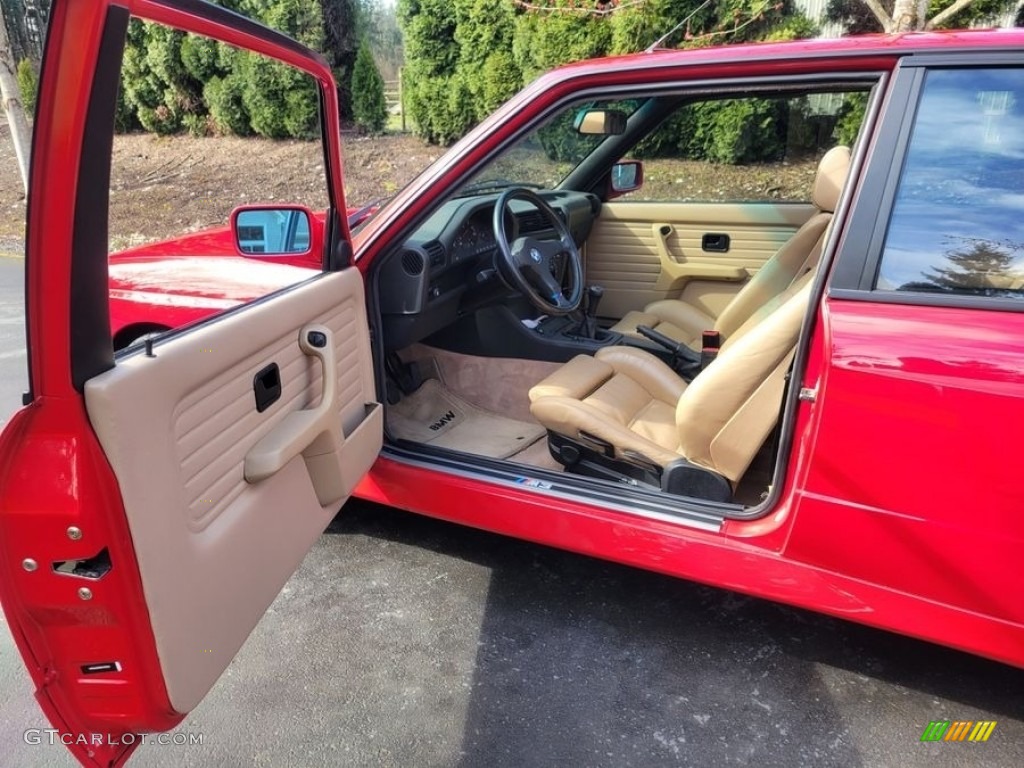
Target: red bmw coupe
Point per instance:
(809, 394)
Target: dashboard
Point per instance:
(447, 267)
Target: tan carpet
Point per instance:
(434, 415)
(496, 384)
(537, 455)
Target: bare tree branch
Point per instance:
(601, 8)
(941, 16)
(883, 18)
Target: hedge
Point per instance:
(465, 57)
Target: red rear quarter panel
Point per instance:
(916, 482)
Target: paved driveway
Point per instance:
(406, 642)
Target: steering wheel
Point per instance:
(528, 260)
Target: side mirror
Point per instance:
(600, 122)
(625, 176)
(287, 230)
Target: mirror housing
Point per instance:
(276, 230)
(624, 177)
(600, 122)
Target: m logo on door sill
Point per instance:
(442, 421)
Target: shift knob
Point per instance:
(594, 294)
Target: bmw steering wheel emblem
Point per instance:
(535, 255)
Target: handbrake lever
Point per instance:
(677, 348)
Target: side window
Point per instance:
(957, 224)
(748, 148)
(204, 129)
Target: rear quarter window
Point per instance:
(957, 224)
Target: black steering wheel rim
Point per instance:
(527, 260)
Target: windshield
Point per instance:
(544, 157)
(541, 159)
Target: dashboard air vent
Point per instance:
(532, 221)
(412, 263)
(435, 252)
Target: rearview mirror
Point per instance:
(266, 231)
(600, 122)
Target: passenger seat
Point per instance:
(685, 323)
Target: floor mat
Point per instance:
(434, 415)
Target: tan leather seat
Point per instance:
(684, 322)
(629, 399)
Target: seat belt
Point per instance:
(710, 344)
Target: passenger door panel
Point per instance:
(643, 252)
(153, 504)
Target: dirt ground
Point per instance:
(167, 186)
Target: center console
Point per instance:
(568, 330)
(507, 330)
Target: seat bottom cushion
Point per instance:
(623, 397)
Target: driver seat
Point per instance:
(685, 323)
(624, 408)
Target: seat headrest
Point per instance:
(828, 183)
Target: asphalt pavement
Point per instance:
(402, 641)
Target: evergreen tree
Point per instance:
(28, 85)
(173, 81)
(341, 25)
(468, 56)
(980, 268)
(484, 32)
(433, 56)
(368, 105)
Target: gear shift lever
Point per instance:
(588, 328)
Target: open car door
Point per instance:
(152, 506)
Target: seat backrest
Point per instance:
(799, 254)
(727, 412)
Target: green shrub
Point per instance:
(495, 47)
(28, 85)
(368, 105)
(543, 42)
(161, 120)
(484, 32)
(223, 96)
(281, 102)
(737, 131)
(730, 131)
(172, 81)
(124, 116)
(263, 96)
(201, 58)
(432, 56)
(501, 81)
(851, 115)
(302, 110)
(461, 111)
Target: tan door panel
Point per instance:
(214, 544)
(642, 252)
